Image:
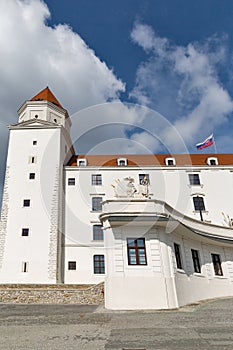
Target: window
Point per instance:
(170, 161)
(178, 256)
(194, 179)
(99, 264)
(25, 232)
(71, 265)
(196, 261)
(82, 162)
(26, 202)
(32, 160)
(136, 251)
(25, 266)
(144, 179)
(96, 180)
(199, 204)
(98, 233)
(217, 264)
(121, 161)
(212, 161)
(32, 176)
(34, 143)
(71, 181)
(97, 204)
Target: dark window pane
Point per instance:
(97, 203)
(71, 181)
(32, 176)
(178, 256)
(194, 179)
(26, 203)
(25, 232)
(71, 265)
(196, 261)
(217, 264)
(198, 203)
(98, 233)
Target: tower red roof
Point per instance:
(46, 95)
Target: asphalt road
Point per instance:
(205, 326)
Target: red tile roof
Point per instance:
(152, 159)
(46, 95)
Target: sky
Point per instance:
(136, 76)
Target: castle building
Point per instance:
(157, 229)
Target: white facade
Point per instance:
(157, 230)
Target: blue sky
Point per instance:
(136, 76)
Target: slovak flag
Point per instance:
(208, 142)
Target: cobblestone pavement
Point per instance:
(205, 326)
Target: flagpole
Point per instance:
(215, 147)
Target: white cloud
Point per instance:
(183, 83)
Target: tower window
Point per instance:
(32, 176)
(32, 159)
(71, 181)
(25, 266)
(71, 265)
(26, 203)
(34, 143)
(25, 232)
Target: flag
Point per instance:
(208, 142)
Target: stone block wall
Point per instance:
(52, 294)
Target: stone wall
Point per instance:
(52, 294)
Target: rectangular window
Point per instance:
(25, 266)
(96, 180)
(99, 264)
(178, 256)
(136, 251)
(97, 204)
(32, 176)
(98, 233)
(217, 264)
(198, 203)
(25, 232)
(144, 179)
(32, 160)
(26, 203)
(34, 143)
(71, 181)
(194, 179)
(196, 261)
(71, 265)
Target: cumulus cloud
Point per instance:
(182, 83)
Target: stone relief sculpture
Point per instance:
(126, 188)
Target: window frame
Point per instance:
(122, 162)
(25, 232)
(137, 256)
(210, 160)
(72, 265)
(96, 203)
(217, 264)
(96, 179)
(194, 179)
(99, 264)
(196, 205)
(168, 160)
(98, 234)
(32, 176)
(71, 181)
(196, 260)
(28, 201)
(178, 256)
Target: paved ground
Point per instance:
(73, 327)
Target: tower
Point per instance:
(31, 220)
